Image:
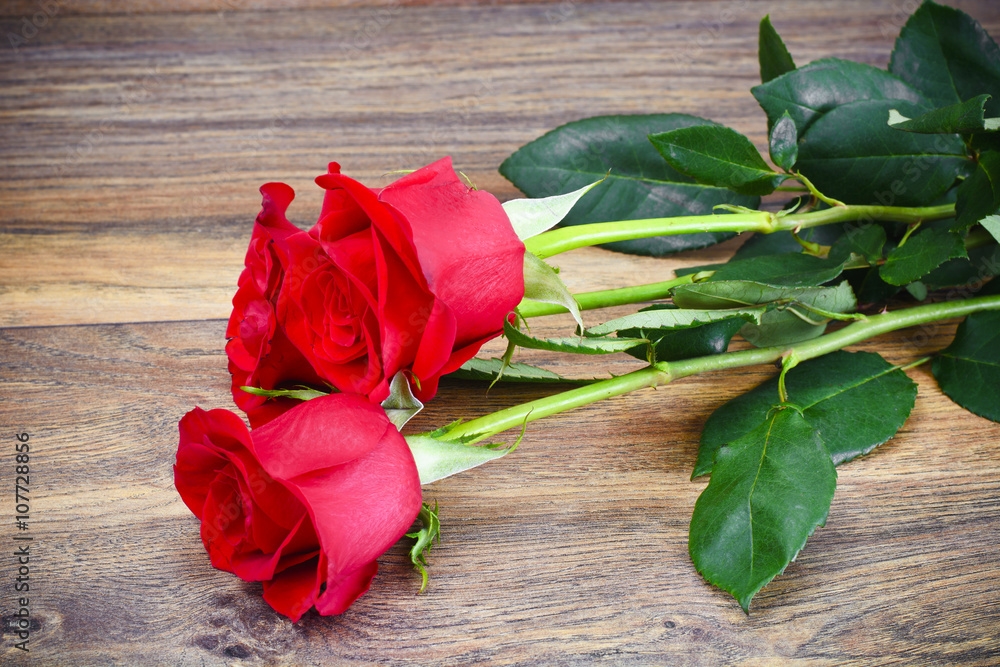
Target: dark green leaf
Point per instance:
(487, 370)
(810, 92)
(639, 184)
(790, 268)
(922, 253)
(784, 142)
(864, 240)
(968, 370)
(979, 195)
(769, 491)
(772, 54)
(851, 154)
(790, 322)
(670, 344)
(982, 262)
(964, 117)
(672, 318)
(573, 344)
(948, 56)
(782, 242)
(717, 156)
(855, 401)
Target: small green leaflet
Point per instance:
(792, 268)
(791, 323)
(717, 156)
(771, 52)
(967, 116)
(851, 154)
(855, 400)
(488, 369)
(769, 491)
(672, 343)
(968, 370)
(574, 344)
(922, 253)
(948, 56)
(863, 240)
(530, 217)
(429, 532)
(637, 184)
(783, 143)
(301, 393)
(979, 195)
(674, 318)
(542, 283)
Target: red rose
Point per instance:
(305, 503)
(260, 355)
(415, 276)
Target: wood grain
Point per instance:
(133, 138)
(571, 551)
(132, 144)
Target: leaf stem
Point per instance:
(606, 298)
(563, 239)
(663, 372)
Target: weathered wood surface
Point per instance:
(132, 145)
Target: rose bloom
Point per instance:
(304, 503)
(415, 276)
(260, 355)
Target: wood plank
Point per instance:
(570, 551)
(132, 145)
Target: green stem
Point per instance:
(606, 298)
(664, 372)
(562, 239)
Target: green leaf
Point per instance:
(968, 370)
(851, 154)
(855, 400)
(742, 293)
(670, 344)
(429, 532)
(574, 344)
(771, 52)
(992, 224)
(791, 268)
(964, 117)
(488, 369)
(783, 144)
(673, 318)
(982, 262)
(922, 253)
(301, 393)
(770, 489)
(437, 459)
(718, 156)
(864, 240)
(810, 92)
(791, 323)
(640, 183)
(979, 195)
(947, 55)
(542, 283)
(530, 217)
(401, 405)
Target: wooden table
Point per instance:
(133, 143)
